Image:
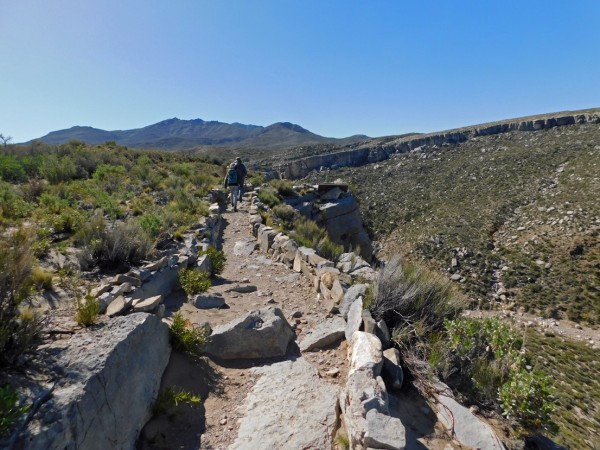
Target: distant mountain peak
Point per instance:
(178, 134)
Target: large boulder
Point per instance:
(260, 334)
(109, 379)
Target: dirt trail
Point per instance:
(224, 386)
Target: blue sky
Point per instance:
(335, 67)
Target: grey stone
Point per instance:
(289, 407)
(243, 288)
(97, 292)
(327, 333)
(337, 292)
(106, 389)
(160, 311)
(266, 238)
(157, 265)
(365, 353)
(148, 304)
(466, 428)
(105, 300)
(260, 334)
(363, 392)
(369, 324)
(383, 333)
(161, 283)
(354, 318)
(118, 306)
(133, 281)
(203, 301)
(332, 194)
(353, 292)
(305, 253)
(244, 248)
(121, 289)
(384, 432)
(392, 370)
(204, 264)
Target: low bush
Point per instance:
(18, 332)
(171, 398)
(217, 259)
(287, 214)
(11, 410)
(87, 311)
(186, 338)
(57, 169)
(307, 233)
(125, 243)
(269, 197)
(284, 188)
(329, 250)
(151, 224)
(414, 302)
(41, 279)
(256, 179)
(194, 281)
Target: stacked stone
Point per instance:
(143, 289)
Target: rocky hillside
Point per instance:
(176, 134)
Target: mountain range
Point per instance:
(177, 134)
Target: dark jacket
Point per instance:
(240, 168)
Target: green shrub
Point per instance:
(87, 311)
(528, 398)
(110, 177)
(171, 398)
(217, 259)
(194, 281)
(12, 205)
(57, 169)
(329, 250)
(11, 169)
(11, 410)
(287, 214)
(256, 179)
(141, 204)
(41, 279)
(269, 197)
(151, 224)
(125, 243)
(18, 332)
(307, 233)
(283, 187)
(186, 338)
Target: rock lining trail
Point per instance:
(269, 403)
(277, 403)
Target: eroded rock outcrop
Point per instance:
(380, 149)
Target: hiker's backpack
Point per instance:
(232, 177)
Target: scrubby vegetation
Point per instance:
(515, 215)
(18, 328)
(11, 409)
(170, 399)
(482, 360)
(87, 311)
(217, 259)
(514, 218)
(186, 338)
(194, 281)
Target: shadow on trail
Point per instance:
(172, 429)
(415, 414)
(292, 354)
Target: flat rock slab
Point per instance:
(468, 429)
(288, 408)
(244, 248)
(325, 334)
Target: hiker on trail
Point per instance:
(242, 172)
(231, 181)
